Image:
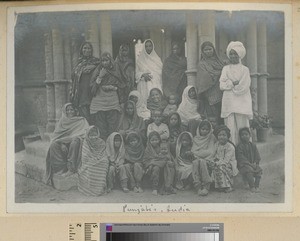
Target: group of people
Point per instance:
(134, 125)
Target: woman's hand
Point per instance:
(235, 82)
(102, 73)
(147, 76)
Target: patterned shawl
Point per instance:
(83, 62)
(68, 128)
(114, 156)
(181, 161)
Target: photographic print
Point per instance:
(163, 109)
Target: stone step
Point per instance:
(274, 145)
(37, 148)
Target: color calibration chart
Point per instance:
(146, 232)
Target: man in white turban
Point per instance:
(235, 83)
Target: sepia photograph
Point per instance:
(135, 107)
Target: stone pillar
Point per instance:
(262, 95)
(75, 47)
(168, 43)
(156, 37)
(59, 74)
(92, 34)
(223, 43)
(206, 28)
(49, 85)
(251, 58)
(192, 47)
(105, 33)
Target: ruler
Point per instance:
(84, 232)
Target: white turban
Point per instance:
(238, 47)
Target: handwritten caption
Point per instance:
(152, 208)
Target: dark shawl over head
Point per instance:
(173, 75)
(126, 66)
(83, 62)
(135, 122)
(209, 70)
(151, 157)
(134, 154)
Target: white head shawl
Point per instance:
(238, 47)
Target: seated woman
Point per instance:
(94, 164)
(184, 161)
(175, 129)
(63, 153)
(156, 100)
(203, 149)
(141, 107)
(106, 88)
(223, 162)
(130, 121)
(188, 109)
(134, 153)
(115, 151)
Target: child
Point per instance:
(248, 159)
(158, 126)
(188, 109)
(203, 149)
(184, 161)
(141, 107)
(116, 153)
(175, 129)
(171, 107)
(154, 162)
(156, 101)
(134, 152)
(223, 163)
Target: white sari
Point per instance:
(148, 63)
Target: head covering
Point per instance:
(83, 62)
(152, 157)
(113, 155)
(136, 153)
(141, 107)
(69, 127)
(130, 122)
(107, 55)
(94, 165)
(188, 107)
(160, 105)
(202, 144)
(238, 47)
(222, 128)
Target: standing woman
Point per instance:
(235, 83)
(94, 164)
(126, 66)
(80, 93)
(105, 87)
(148, 70)
(208, 75)
(173, 73)
(64, 151)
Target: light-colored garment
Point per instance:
(162, 129)
(236, 98)
(235, 122)
(188, 107)
(148, 63)
(94, 166)
(226, 165)
(141, 107)
(69, 127)
(115, 157)
(170, 109)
